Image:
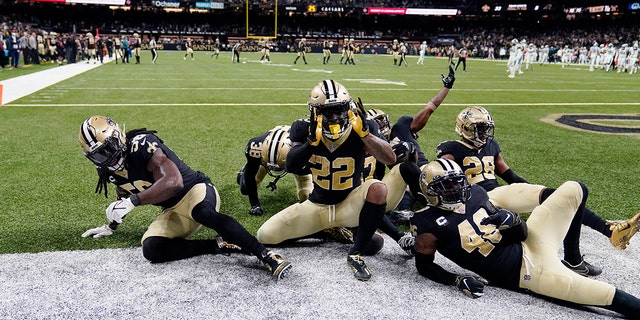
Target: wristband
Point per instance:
(135, 200)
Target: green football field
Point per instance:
(207, 109)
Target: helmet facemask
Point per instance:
(483, 134)
(382, 119)
(332, 101)
(475, 125)
(335, 119)
(103, 143)
(109, 154)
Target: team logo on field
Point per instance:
(600, 123)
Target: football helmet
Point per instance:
(332, 100)
(383, 121)
(103, 142)
(475, 124)
(444, 184)
(274, 151)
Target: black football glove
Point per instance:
(450, 79)
(256, 211)
(471, 286)
(404, 151)
(503, 219)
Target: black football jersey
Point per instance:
(335, 173)
(137, 178)
(478, 164)
(470, 245)
(401, 131)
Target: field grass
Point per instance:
(207, 109)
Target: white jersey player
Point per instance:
(543, 55)
(594, 54)
(423, 51)
(583, 56)
(531, 57)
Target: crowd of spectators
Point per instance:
(370, 31)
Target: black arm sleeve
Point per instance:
(250, 187)
(298, 157)
(511, 177)
(427, 268)
(410, 173)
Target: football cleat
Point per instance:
(278, 265)
(340, 234)
(359, 268)
(622, 231)
(583, 268)
(226, 247)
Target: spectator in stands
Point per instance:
(13, 45)
(23, 43)
(3, 58)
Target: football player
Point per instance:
(188, 46)
(423, 51)
(406, 130)
(136, 44)
(326, 50)
(266, 154)
(395, 51)
(145, 171)
(91, 47)
(301, 49)
(345, 45)
(351, 49)
(216, 48)
(480, 156)
(333, 145)
(117, 46)
(499, 246)
(266, 48)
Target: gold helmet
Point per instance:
(384, 124)
(103, 142)
(274, 151)
(444, 184)
(475, 124)
(331, 100)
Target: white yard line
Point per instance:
(16, 88)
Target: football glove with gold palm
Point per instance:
(359, 120)
(315, 128)
(471, 286)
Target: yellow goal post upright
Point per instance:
(271, 8)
